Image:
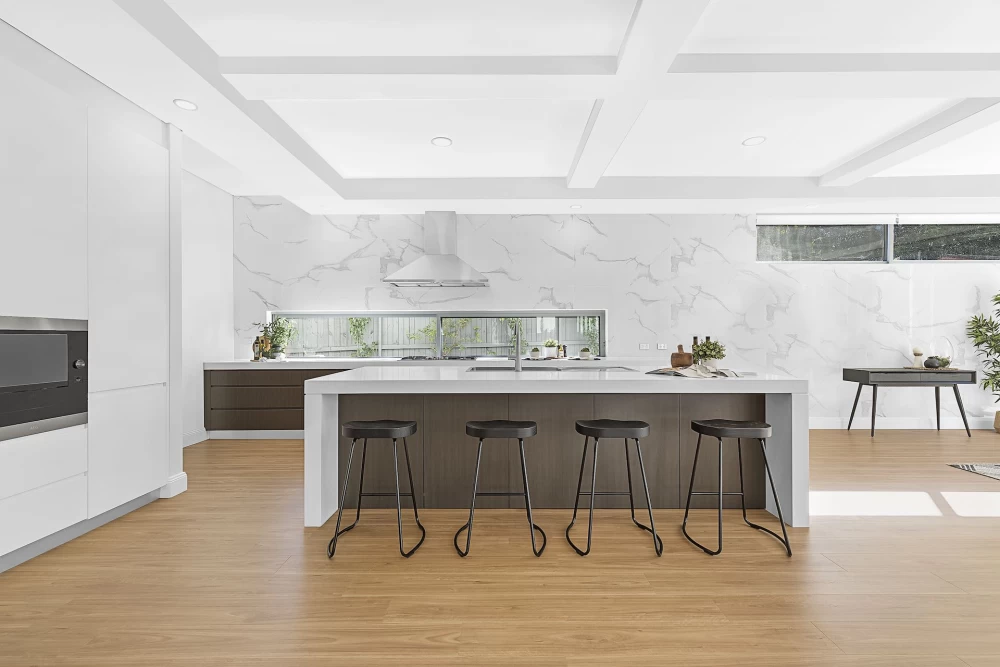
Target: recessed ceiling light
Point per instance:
(754, 141)
(575, 206)
(441, 141)
(187, 105)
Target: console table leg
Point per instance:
(961, 408)
(874, 405)
(853, 409)
(937, 405)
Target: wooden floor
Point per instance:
(225, 575)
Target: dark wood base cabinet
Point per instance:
(251, 400)
(443, 457)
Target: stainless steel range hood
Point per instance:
(440, 266)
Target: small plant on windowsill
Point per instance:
(585, 353)
(984, 330)
(277, 333)
(535, 353)
(551, 348)
(708, 353)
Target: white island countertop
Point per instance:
(572, 380)
(341, 363)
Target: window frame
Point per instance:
(440, 315)
(886, 240)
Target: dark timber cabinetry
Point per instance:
(252, 400)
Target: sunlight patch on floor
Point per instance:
(872, 503)
(973, 503)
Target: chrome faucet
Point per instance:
(517, 348)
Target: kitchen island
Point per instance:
(442, 398)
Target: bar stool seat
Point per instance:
(385, 429)
(501, 428)
(612, 428)
(728, 428)
(380, 428)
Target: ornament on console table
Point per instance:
(918, 357)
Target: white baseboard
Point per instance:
(256, 435)
(176, 485)
(193, 438)
(863, 422)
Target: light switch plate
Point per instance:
(643, 346)
(661, 346)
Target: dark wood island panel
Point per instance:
(444, 457)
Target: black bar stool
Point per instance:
(612, 428)
(387, 429)
(725, 428)
(500, 428)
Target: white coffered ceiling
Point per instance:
(613, 105)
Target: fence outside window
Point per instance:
(447, 334)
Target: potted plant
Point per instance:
(535, 353)
(551, 345)
(585, 353)
(274, 336)
(708, 353)
(984, 330)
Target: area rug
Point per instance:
(986, 469)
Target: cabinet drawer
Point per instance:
(954, 377)
(895, 378)
(36, 460)
(32, 515)
(262, 378)
(257, 420)
(247, 398)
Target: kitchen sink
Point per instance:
(550, 369)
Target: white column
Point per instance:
(321, 464)
(788, 456)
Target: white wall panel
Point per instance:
(129, 256)
(128, 445)
(43, 187)
(207, 286)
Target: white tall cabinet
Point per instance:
(128, 252)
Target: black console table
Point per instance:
(909, 377)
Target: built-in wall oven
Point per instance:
(43, 375)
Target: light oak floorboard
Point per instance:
(224, 574)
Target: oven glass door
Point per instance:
(33, 360)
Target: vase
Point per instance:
(585, 356)
(711, 363)
(550, 353)
(535, 354)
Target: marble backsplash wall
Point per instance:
(662, 278)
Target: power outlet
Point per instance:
(661, 346)
(643, 346)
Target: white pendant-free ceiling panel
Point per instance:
(804, 137)
(974, 154)
(847, 26)
(392, 139)
(407, 27)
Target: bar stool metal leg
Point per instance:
(472, 509)
(651, 528)
(413, 499)
(777, 506)
(576, 501)
(331, 547)
(692, 492)
(527, 504)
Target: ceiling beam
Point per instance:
(957, 121)
(423, 65)
(655, 35)
(689, 76)
(160, 21)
